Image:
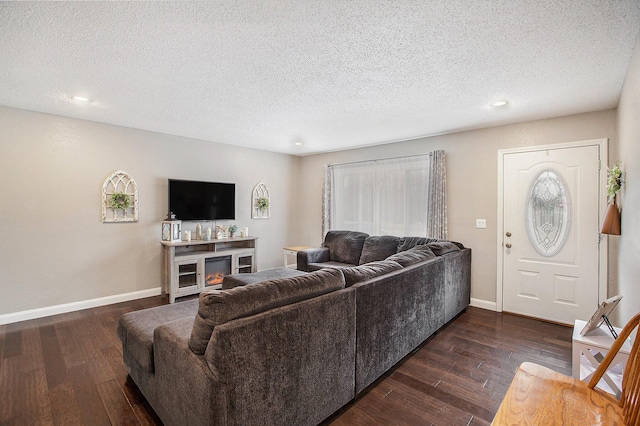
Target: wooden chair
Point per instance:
(540, 396)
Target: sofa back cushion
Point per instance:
(417, 254)
(218, 307)
(443, 247)
(378, 247)
(405, 243)
(361, 273)
(345, 246)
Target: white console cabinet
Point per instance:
(589, 350)
(188, 267)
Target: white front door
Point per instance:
(550, 242)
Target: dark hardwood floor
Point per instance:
(68, 370)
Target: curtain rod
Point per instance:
(379, 159)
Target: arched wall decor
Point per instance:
(260, 202)
(119, 198)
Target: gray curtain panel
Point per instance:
(437, 199)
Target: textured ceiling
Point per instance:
(331, 74)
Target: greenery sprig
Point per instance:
(262, 203)
(614, 180)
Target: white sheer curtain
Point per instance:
(382, 197)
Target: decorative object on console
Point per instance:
(119, 198)
(222, 231)
(232, 230)
(171, 228)
(601, 315)
(260, 202)
(611, 221)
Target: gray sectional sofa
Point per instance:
(293, 350)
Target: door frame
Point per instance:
(603, 262)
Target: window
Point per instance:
(382, 197)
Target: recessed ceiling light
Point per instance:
(499, 103)
(80, 99)
(298, 143)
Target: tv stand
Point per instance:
(185, 264)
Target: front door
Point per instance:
(550, 245)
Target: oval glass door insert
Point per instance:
(548, 215)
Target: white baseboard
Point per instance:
(117, 298)
(484, 304)
(76, 306)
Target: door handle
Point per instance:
(508, 234)
(508, 245)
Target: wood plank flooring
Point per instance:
(67, 370)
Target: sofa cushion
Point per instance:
(135, 329)
(370, 270)
(443, 247)
(218, 307)
(378, 247)
(345, 246)
(405, 243)
(412, 256)
(235, 280)
(335, 265)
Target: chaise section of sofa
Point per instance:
(276, 352)
(136, 331)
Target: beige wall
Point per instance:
(629, 145)
(471, 178)
(54, 248)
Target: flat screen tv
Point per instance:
(194, 200)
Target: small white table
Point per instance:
(292, 251)
(589, 350)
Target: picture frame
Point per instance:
(598, 317)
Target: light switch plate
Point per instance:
(481, 223)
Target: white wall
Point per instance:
(629, 246)
(471, 179)
(54, 248)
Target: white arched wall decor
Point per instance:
(260, 209)
(119, 198)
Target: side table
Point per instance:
(292, 251)
(589, 350)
